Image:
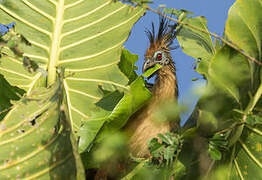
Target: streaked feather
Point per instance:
(142, 126)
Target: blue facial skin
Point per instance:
(5, 28)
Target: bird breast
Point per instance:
(143, 125)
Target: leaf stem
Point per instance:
(254, 100)
(230, 44)
(54, 51)
(252, 103)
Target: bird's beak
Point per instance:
(147, 64)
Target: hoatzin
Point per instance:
(142, 126)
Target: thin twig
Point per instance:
(212, 34)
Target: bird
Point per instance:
(142, 126)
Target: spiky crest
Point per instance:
(164, 37)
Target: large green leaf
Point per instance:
(195, 43)
(83, 37)
(225, 69)
(230, 77)
(247, 163)
(35, 140)
(229, 71)
(244, 28)
(120, 105)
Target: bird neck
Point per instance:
(165, 87)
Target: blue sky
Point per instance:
(215, 12)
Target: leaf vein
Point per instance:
(91, 56)
(86, 14)
(13, 72)
(90, 24)
(21, 122)
(53, 2)
(74, 4)
(25, 21)
(13, 163)
(79, 112)
(84, 94)
(98, 80)
(36, 57)
(38, 10)
(249, 153)
(39, 45)
(238, 170)
(53, 166)
(99, 34)
(253, 34)
(93, 68)
(68, 103)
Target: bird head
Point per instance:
(160, 45)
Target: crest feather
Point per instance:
(164, 37)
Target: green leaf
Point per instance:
(164, 148)
(253, 120)
(207, 122)
(83, 37)
(111, 149)
(214, 153)
(228, 76)
(229, 70)
(35, 142)
(197, 44)
(180, 170)
(130, 103)
(151, 71)
(217, 144)
(243, 27)
(7, 94)
(127, 64)
(247, 162)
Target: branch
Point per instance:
(209, 33)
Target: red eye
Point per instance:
(159, 56)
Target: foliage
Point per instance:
(7, 94)
(226, 110)
(217, 144)
(50, 153)
(62, 36)
(67, 86)
(164, 148)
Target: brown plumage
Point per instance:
(142, 126)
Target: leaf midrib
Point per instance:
(56, 36)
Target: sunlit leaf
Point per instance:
(129, 103)
(244, 29)
(127, 64)
(151, 71)
(35, 142)
(82, 37)
(195, 43)
(247, 163)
